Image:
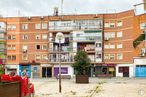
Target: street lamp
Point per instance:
(59, 39)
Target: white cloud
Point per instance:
(45, 7)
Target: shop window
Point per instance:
(104, 70)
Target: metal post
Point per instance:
(59, 66)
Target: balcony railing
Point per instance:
(62, 60)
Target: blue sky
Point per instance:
(45, 7)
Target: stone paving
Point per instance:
(114, 87)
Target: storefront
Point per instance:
(124, 70)
(12, 67)
(25, 68)
(46, 70)
(65, 69)
(140, 67)
(105, 70)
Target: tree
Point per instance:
(82, 63)
(2, 71)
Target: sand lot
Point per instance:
(114, 87)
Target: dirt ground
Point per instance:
(114, 87)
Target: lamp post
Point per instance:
(59, 39)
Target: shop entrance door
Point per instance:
(46, 71)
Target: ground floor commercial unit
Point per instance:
(124, 70)
(52, 70)
(33, 71)
(140, 66)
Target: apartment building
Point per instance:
(2, 42)
(114, 43)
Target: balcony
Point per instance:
(56, 60)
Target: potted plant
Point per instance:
(81, 67)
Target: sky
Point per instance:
(14, 8)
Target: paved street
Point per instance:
(114, 87)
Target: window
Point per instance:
(44, 47)
(38, 26)
(9, 47)
(38, 37)
(106, 25)
(119, 23)
(112, 56)
(13, 47)
(44, 57)
(112, 46)
(38, 47)
(44, 36)
(119, 45)
(24, 57)
(24, 26)
(37, 57)
(24, 48)
(13, 57)
(111, 25)
(106, 46)
(13, 37)
(106, 56)
(13, 27)
(44, 25)
(119, 34)
(9, 37)
(9, 57)
(112, 34)
(25, 37)
(119, 56)
(98, 44)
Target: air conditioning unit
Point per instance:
(106, 38)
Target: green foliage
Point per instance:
(2, 71)
(138, 40)
(82, 63)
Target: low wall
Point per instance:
(12, 89)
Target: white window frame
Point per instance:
(44, 36)
(24, 26)
(111, 55)
(43, 47)
(25, 37)
(25, 58)
(119, 34)
(119, 23)
(37, 57)
(119, 46)
(44, 25)
(119, 56)
(38, 26)
(38, 37)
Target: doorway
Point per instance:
(46, 71)
(124, 70)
